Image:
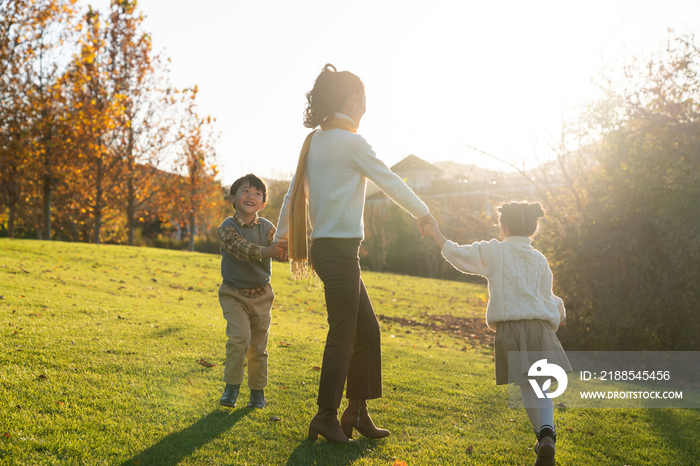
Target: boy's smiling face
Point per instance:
(248, 200)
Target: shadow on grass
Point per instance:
(678, 431)
(322, 453)
(172, 449)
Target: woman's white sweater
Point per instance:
(520, 280)
(338, 166)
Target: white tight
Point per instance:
(539, 410)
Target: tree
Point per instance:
(96, 108)
(626, 253)
(31, 33)
(144, 125)
(196, 195)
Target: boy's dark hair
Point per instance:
(253, 181)
(520, 218)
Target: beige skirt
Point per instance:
(532, 340)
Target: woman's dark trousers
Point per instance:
(353, 344)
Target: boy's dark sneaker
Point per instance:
(257, 399)
(230, 395)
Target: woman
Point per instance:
(332, 174)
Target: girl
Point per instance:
(522, 309)
(332, 173)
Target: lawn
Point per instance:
(100, 351)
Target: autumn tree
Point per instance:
(196, 195)
(32, 33)
(144, 126)
(96, 108)
(46, 109)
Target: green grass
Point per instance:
(99, 352)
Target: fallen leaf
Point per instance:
(316, 368)
(42, 376)
(569, 429)
(399, 463)
(561, 405)
(60, 403)
(274, 419)
(285, 344)
(7, 434)
(589, 433)
(206, 364)
(470, 449)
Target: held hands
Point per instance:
(278, 251)
(423, 221)
(285, 255)
(433, 230)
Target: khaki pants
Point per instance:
(247, 328)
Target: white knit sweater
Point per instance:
(520, 281)
(338, 166)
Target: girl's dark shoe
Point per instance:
(545, 454)
(257, 399)
(230, 395)
(356, 416)
(325, 423)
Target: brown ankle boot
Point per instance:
(357, 416)
(325, 422)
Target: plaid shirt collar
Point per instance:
(241, 223)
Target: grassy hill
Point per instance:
(99, 365)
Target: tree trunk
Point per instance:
(130, 209)
(98, 203)
(11, 222)
(47, 207)
(192, 230)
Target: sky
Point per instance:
(440, 76)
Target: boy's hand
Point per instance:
(283, 257)
(273, 250)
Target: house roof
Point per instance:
(413, 163)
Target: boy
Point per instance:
(246, 294)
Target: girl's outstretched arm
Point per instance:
(433, 230)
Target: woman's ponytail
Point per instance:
(329, 94)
